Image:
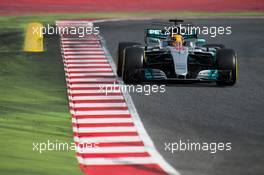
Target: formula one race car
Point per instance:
(171, 56)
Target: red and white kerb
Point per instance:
(108, 121)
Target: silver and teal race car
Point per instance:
(170, 56)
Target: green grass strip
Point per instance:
(33, 108)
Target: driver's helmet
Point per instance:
(177, 41)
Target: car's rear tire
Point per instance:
(133, 65)
(226, 59)
(120, 55)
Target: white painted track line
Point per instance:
(108, 139)
(78, 105)
(117, 161)
(88, 65)
(88, 85)
(86, 61)
(88, 74)
(92, 79)
(103, 112)
(90, 69)
(104, 97)
(120, 149)
(81, 48)
(104, 129)
(84, 52)
(85, 56)
(102, 120)
(94, 91)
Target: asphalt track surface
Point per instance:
(206, 113)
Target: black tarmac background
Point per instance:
(206, 113)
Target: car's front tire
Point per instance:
(133, 64)
(226, 59)
(120, 55)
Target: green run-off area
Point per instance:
(33, 107)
